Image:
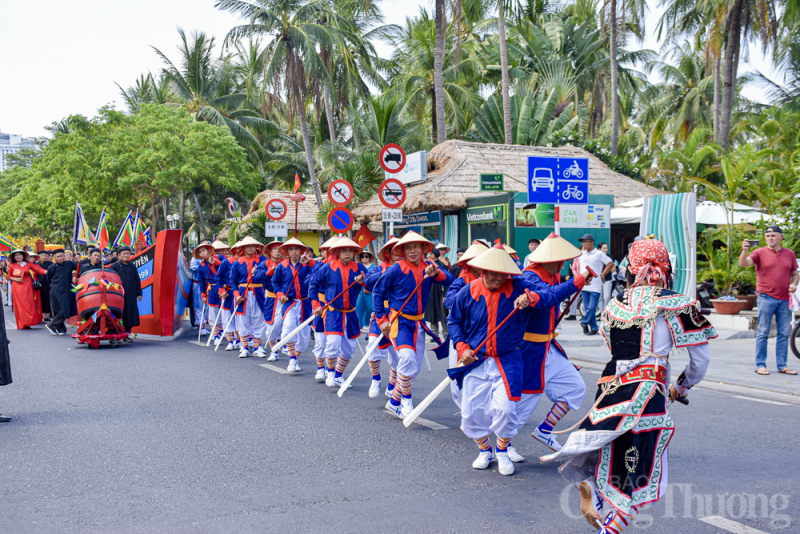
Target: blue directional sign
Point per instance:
(557, 180)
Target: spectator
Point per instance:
(364, 302)
(776, 277)
(532, 245)
(22, 273)
(444, 250)
(455, 270)
(607, 279)
(600, 264)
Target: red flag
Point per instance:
(296, 182)
(497, 241)
(364, 237)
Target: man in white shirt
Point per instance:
(532, 245)
(600, 264)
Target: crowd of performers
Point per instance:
(618, 454)
(40, 285)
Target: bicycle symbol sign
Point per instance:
(558, 180)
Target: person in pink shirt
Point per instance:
(776, 277)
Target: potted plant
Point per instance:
(716, 266)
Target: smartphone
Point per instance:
(753, 243)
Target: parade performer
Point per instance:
(22, 273)
(468, 275)
(407, 329)
(132, 286)
(547, 368)
(264, 273)
(491, 379)
(385, 348)
(290, 282)
(249, 298)
(62, 299)
(319, 322)
(620, 454)
(44, 262)
(342, 327)
(226, 297)
(207, 282)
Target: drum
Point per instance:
(90, 295)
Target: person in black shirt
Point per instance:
(132, 285)
(62, 299)
(44, 262)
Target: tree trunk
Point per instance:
(728, 76)
(154, 214)
(183, 214)
(329, 113)
(457, 15)
(434, 132)
(612, 43)
(501, 30)
(716, 94)
(438, 78)
(200, 215)
(309, 157)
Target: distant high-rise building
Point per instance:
(11, 144)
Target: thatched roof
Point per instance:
(454, 166)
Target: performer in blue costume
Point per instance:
(207, 282)
(319, 322)
(249, 297)
(385, 348)
(226, 296)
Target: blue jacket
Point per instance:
(331, 280)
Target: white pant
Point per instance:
(215, 318)
(227, 324)
(485, 406)
(291, 321)
(276, 327)
(320, 341)
(252, 322)
(202, 316)
(452, 359)
(380, 354)
(562, 383)
(410, 361)
(336, 346)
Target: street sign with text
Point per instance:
(392, 216)
(276, 229)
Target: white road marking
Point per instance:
(11, 325)
(424, 422)
(201, 344)
(276, 369)
(761, 400)
(731, 526)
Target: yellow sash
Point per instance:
(539, 338)
(396, 324)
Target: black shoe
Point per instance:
(593, 333)
(5, 419)
(570, 318)
(50, 330)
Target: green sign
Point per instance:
(486, 214)
(490, 182)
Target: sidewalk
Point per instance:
(732, 361)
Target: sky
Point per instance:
(61, 58)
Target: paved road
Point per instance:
(170, 437)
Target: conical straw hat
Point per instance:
(329, 243)
(293, 242)
(554, 248)
(197, 249)
(509, 249)
(383, 253)
(474, 250)
(345, 242)
(219, 245)
(266, 251)
(497, 260)
(235, 247)
(249, 241)
(412, 237)
(443, 247)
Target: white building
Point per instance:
(11, 144)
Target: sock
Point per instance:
(392, 378)
(484, 444)
(243, 341)
(256, 343)
(331, 363)
(341, 365)
(375, 367)
(502, 444)
(402, 388)
(229, 335)
(616, 521)
(559, 410)
(320, 363)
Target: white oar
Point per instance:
(346, 384)
(200, 326)
(274, 320)
(233, 314)
(288, 337)
(214, 326)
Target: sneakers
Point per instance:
(230, 346)
(513, 455)
(504, 465)
(237, 344)
(483, 460)
(374, 388)
(244, 353)
(339, 381)
(388, 393)
(296, 366)
(273, 357)
(330, 381)
(204, 332)
(547, 439)
(407, 406)
(53, 332)
(320, 376)
(292, 367)
(395, 410)
(260, 353)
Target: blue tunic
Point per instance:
(292, 281)
(242, 280)
(331, 280)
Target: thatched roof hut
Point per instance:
(454, 166)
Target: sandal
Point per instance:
(762, 371)
(787, 371)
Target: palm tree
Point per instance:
(438, 77)
(501, 30)
(292, 59)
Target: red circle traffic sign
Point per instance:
(340, 220)
(276, 209)
(340, 192)
(392, 158)
(392, 193)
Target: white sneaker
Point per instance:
(320, 376)
(374, 389)
(407, 405)
(244, 353)
(204, 332)
(297, 365)
(388, 393)
(504, 465)
(230, 346)
(329, 379)
(395, 410)
(237, 344)
(483, 460)
(513, 455)
(292, 367)
(260, 353)
(339, 381)
(273, 357)
(546, 438)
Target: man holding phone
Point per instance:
(776, 277)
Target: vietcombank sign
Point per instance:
(486, 214)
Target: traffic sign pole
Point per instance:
(557, 228)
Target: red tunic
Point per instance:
(26, 301)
